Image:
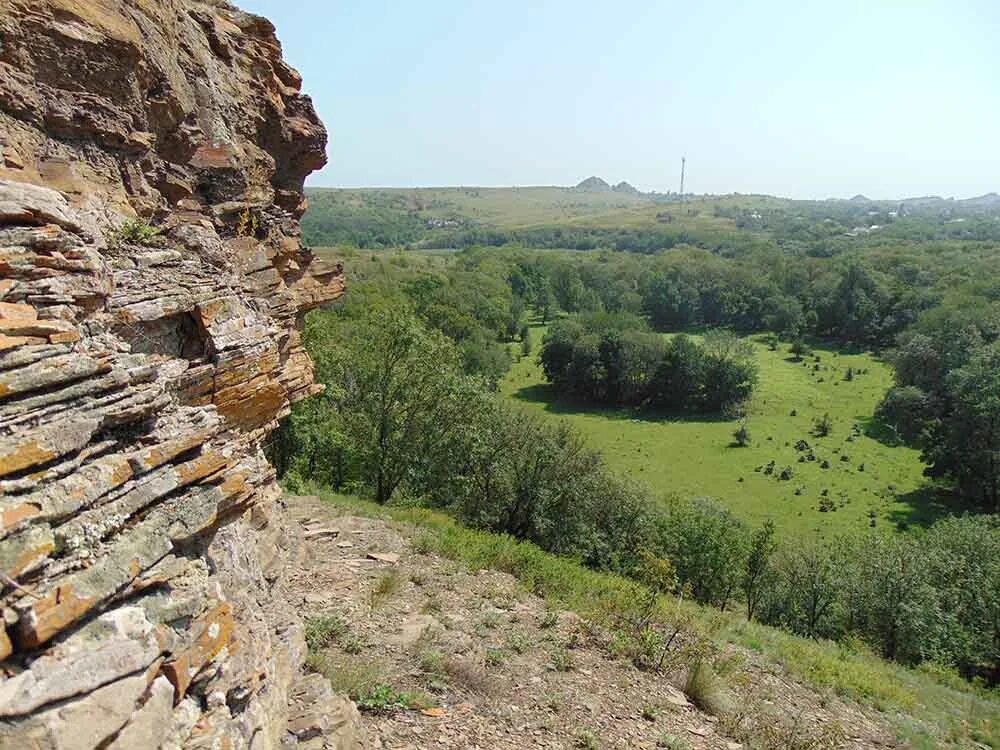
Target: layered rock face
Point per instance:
(142, 369)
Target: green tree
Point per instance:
(545, 300)
(678, 379)
(401, 394)
(964, 443)
(706, 545)
(757, 571)
(808, 589)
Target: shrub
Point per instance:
(322, 630)
(706, 690)
(385, 586)
(706, 545)
(562, 660)
(799, 349)
(382, 698)
(823, 426)
(132, 232)
(673, 742)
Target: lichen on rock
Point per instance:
(152, 288)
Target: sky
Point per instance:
(795, 98)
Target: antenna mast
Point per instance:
(683, 163)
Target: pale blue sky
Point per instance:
(788, 97)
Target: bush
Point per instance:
(706, 690)
(322, 630)
(823, 426)
(538, 481)
(799, 349)
(133, 232)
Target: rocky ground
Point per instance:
(481, 663)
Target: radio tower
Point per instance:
(683, 163)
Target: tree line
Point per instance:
(927, 596)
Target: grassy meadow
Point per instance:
(866, 477)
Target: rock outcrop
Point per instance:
(152, 287)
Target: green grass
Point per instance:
(323, 630)
(928, 708)
(695, 456)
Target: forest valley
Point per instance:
(660, 325)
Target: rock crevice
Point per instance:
(152, 288)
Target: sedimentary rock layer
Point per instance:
(152, 287)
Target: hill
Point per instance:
(622, 218)
(624, 187)
(594, 185)
(447, 636)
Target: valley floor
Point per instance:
(845, 482)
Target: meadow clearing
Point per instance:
(856, 472)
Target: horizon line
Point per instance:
(655, 192)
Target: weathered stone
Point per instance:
(13, 311)
(82, 724)
(81, 488)
(56, 331)
(6, 647)
(88, 387)
(116, 644)
(157, 455)
(212, 632)
(21, 203)
(44, 444)
(21, 551)
(93, 525)
(139, 379)
(319, 712)
(133, 552)
(150, 724)
(388, 557)
(47, 373)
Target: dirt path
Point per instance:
(484, 664)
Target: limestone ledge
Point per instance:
(141, 541)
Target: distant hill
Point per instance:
(988, 201)
(595, 213)
(594, 185)
(923, 200)
(624, 187)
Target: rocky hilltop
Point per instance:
(152, 287)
